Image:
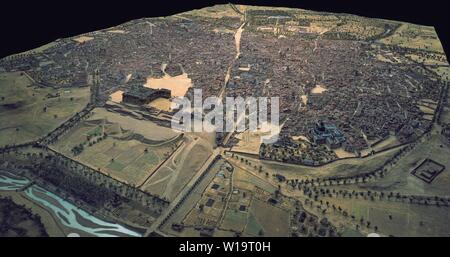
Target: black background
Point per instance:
(28, 24)
(169, 247)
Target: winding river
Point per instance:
(11, 183)
(67, 214)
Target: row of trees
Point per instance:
(98, 188)
(12, 215)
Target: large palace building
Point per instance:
(141, 95)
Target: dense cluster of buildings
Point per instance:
(139, 47)
(365, 99)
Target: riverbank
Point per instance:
(59, 217)
(52, 227)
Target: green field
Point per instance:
(128, 160)
(401, 218)
(400, 179)
(22, 115)
(234, 220)
(253, 228)
(273, 220)
(416, 37)
(173, 176)
(398, 219)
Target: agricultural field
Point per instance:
(394, 218)
(197, 210)
(386, 217)
(248, 181)
(415, 37)
(357, 28)
(375, 206)
(387, 143)
(273, 220)
(109, 147)
(443, 72)
(176, 172)
(330, 26)
(234, 220)
(235, 203)
(209, 210)
(28, 112)
(400, 179)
